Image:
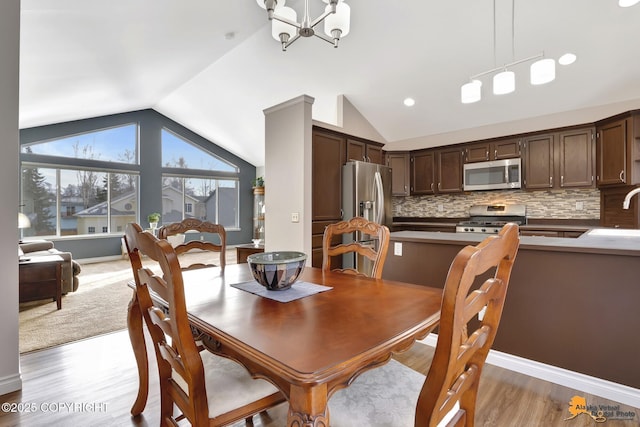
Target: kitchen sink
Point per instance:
(614, 232)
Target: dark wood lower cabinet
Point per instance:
(558, 301)
(611, 212)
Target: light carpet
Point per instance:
(99, 306)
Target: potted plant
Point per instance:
(153, 219)
(258, 182)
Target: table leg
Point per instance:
(136, 335)
(308, 407)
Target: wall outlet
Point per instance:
(440, 208)
(295, 217)
(579, 206)
(397, 248)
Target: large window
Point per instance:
(210, 192)
(77, 198)
(69, 202)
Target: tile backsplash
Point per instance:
(552, 204)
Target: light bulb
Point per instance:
(471, 92)
(543, 71)
(337, 25)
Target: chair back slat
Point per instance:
(463, 341)
(194, 224)
(377, 255)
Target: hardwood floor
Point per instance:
(93, 383)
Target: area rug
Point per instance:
(99, 305)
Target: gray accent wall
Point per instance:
(150, 124)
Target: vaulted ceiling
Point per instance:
(213, 66)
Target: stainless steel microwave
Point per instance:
(493, 175)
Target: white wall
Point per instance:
(9, 177)
(288, 175)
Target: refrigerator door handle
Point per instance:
(377, 178)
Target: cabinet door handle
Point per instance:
(486, 155)
(550, 181)
(439, 186)
(622, 175)
(495, 154)
(561, 180)
(432, 186)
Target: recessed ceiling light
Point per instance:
(230, 35)
(409, 102)
(567, 58)
(627, 3)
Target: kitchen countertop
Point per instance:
(610, 245)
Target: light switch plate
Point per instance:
(397, 248)
(295, 217)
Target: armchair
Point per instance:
(70, 268)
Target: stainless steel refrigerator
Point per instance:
(366, 193)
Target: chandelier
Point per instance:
(286, 29)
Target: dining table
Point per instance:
(309, 347)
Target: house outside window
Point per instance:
(197, 184)
(81, 197)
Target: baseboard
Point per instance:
(598, 387)
(10, 383)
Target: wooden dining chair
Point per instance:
(207, 389)
(332, 245)
(395, 395)
(194, 224)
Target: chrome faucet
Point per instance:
(627, 198)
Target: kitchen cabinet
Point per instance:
(400, 178)
(328, 157)
(449, 170)
(498, 149)
(618, 151)
(538, 161)
(576, 157)
(611, 212)
(436, 171)
(423, 172)
(364, 151)
(559, 160)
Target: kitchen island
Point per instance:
(573, 303)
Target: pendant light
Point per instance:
(471, 92)
(543, 71)
(504, 82)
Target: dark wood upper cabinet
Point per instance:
(364, 151)
(559, 160)
(423, 172)
(618, 151)
(436, 171)
(492, 150)
(400, 173)
(611, 212)
(449, 170)
(576, 155)
(538, 162)
(327, 160)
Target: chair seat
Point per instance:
(382, 397)
(229, 385)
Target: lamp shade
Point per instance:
(23, 221)
(338, 21)
(504, 82)
(278, 27)
(543, 71)
(627, 3)
(279, 3)
(471, 92)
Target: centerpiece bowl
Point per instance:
(277, 271)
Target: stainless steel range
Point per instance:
(489, 219)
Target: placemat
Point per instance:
(296, 291)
